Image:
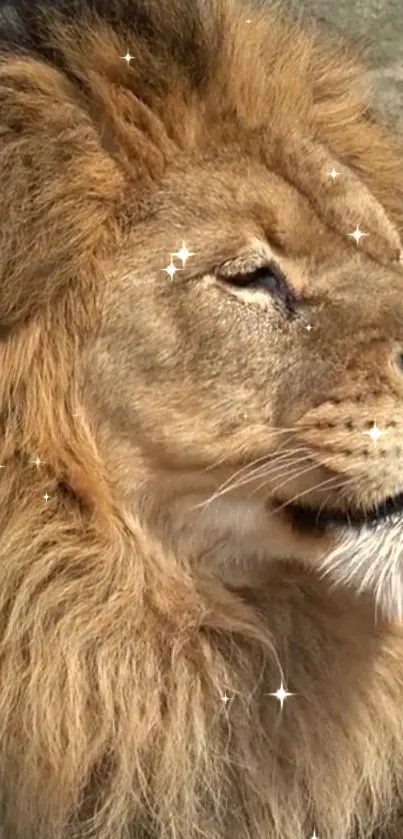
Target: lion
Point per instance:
(201, 406)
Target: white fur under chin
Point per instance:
(235, 536)
(370, 560)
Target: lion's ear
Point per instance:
(58, 187)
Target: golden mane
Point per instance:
(114, 658)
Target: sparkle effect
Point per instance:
(127, 57)
(171, 270)
(357, 235)
(375, 433)
(183, 255)
(281, 695)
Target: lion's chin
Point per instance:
(368, 559)
(365, 551)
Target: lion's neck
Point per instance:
(234, 535)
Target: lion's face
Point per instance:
(250, 385)
(251, 377)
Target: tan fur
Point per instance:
(156, 578)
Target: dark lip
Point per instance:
(309, 517)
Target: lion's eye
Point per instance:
(264, 277)
(267, 278)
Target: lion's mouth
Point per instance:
(308, 518)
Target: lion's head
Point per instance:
(197, 343)
(243, 388)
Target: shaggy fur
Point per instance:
(149, 609)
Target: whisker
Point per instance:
(290, 475)
(321, 506)
(231, 483)
(345, 483)
(313, 465)
(291, 469)
(298, 495)
(222, 459)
